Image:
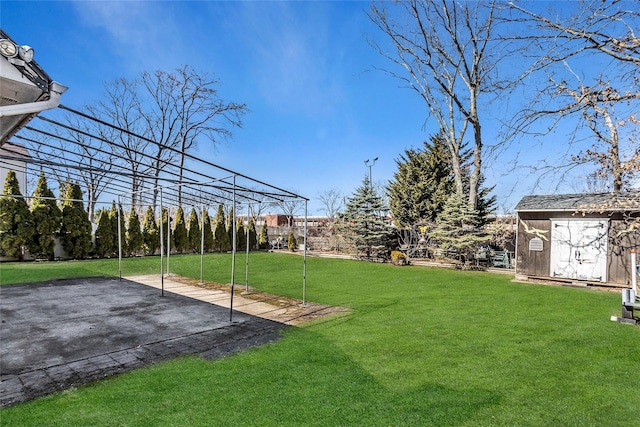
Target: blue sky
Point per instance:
(304, 69)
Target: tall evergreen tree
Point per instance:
(486, 202)
(135, 241)
(220, 235)
(364, 223)
(46, 217)
(263, 241)
(166, 231)
(119, 237)
(421, 185)
(76, 228)
(241, 235)
(104, 236)
(253, 235)
(208, 233)
(150, 232)
(194, 232)
(459, 228)
(180, 235)
(16, 222)
(230, 220)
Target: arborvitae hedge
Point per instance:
(113, 217)
(263, 241)
(180, 236)
(166, 233)
(241, 236)
(104, 235)
(220, 235)
(208, 233)
(46, 217)
(230, 228)
(150, 233)
(16, 222)
(194, 232)
(135, 242)
(253, 235)
(76, 227)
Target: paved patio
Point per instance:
(65, 333)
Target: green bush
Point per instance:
(292, 243)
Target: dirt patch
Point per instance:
(295, 311)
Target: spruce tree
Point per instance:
(458, 228)
(194, 232)
(104, 235)
(220, 235)
(421, 185)
(135, 241)
(364, 223)
(208, 233)
(263, 241)
(180, 235)
(241, 235)
(150, 232)
(46, 217)
(16, 222)
(76, 228)
(253, 235)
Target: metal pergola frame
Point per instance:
(67, 151)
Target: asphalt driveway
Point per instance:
(64, 333)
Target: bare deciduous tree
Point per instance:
(185, 107)
(121, 107)
(601, 99)
(449, 55)
(332, 202)
(290, 207)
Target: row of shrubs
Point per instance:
(35, 226)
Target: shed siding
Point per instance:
(533, 263)
(621, 241)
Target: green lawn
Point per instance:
(421, 346)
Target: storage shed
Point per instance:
(585, 238)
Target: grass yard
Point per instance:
(421, 346)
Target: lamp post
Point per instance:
(373, 162)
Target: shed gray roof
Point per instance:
(588, 202)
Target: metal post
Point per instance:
(233, 250)
(304, 256)
(202, 247)
(168, 242)
(366, 162)
(161, 246)
(634, 275)
(119, 242)
(246, 267)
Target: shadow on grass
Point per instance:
(303, 379)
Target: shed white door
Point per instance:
(579, 249)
